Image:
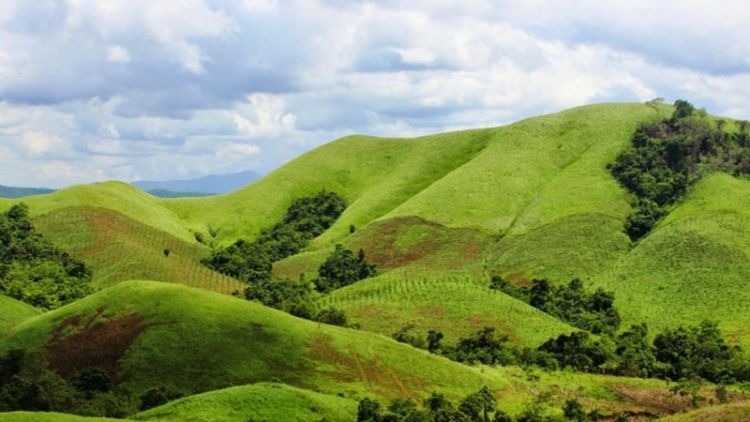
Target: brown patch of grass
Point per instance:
(353, 367)
(93, 342)
(654, 400)
(387, 245)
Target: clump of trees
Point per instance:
(668, 156)
(480, 406)
(305, 219)
(32, 269)
(27, 384)
(343, 268)
(594, 312)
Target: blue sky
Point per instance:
(140, 89)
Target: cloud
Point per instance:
(136, 89)
(118, 54)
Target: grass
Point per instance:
(48, 417)
(737, 412)
(694, 265)
(196, 341)
(118, 248)
(13, 312)
(264, 401)
(456, 305)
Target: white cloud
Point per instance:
(118, 54)
(263, 116)
(143, 89)
(39, 143)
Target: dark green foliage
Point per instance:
(593, 312)
(699, 351)
(579, 351)
(406, 335)
(669, 156)
(331, 316)
(635, 355)
(92, 381)
(32, 269)
(480, 405)
(368, 411)
(286, 295)
(433, 340)
(518, 292)
(305, 219)
(342, 268)
(158, 396)
(574, 411)
(483, 347)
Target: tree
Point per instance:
(479, 405)
(342, 268)
(574, 411)
(157, 396)
(368, 410)
(331, 316)
(91, 381)
(433, 340)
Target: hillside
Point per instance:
(15, 192)
(207, 185)
(13, 312)
(271, 402)
(695, 264)
(118, 248)
(139, 332)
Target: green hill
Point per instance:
(147, 334)
(118, 248)
(13, 312)
(695, 265)
(270, 402)
(48, 417)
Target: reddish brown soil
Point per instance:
(95, 342)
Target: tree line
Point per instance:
(669, 156)
(32, 269)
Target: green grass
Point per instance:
(13, 312)
(454, 304)
(117, 196)
(196, 341)
(269, 402)
(737, 412)
(48, 417)
(118, 248)
(695, 265)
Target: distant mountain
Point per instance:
(208, 185)
(14, 192)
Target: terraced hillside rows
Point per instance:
(118, 249)
(139, 333)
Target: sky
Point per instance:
(142, 89)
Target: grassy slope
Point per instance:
(456, 305)
(271, 402)
(48, 417)
(739, 412)
(695, 265)
(118, 248)
(197, 341)
(13, 312)
(374, 175)
(117, 196)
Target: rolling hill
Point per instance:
(439, 215)
(13, 312)
(140, 332)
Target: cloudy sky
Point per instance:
(143, 89)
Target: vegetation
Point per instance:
(305, 219)
(669, 156)
(342, 268)
(593, 312)
(34, 271)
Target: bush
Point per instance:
(342, 268)
(157, 396)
